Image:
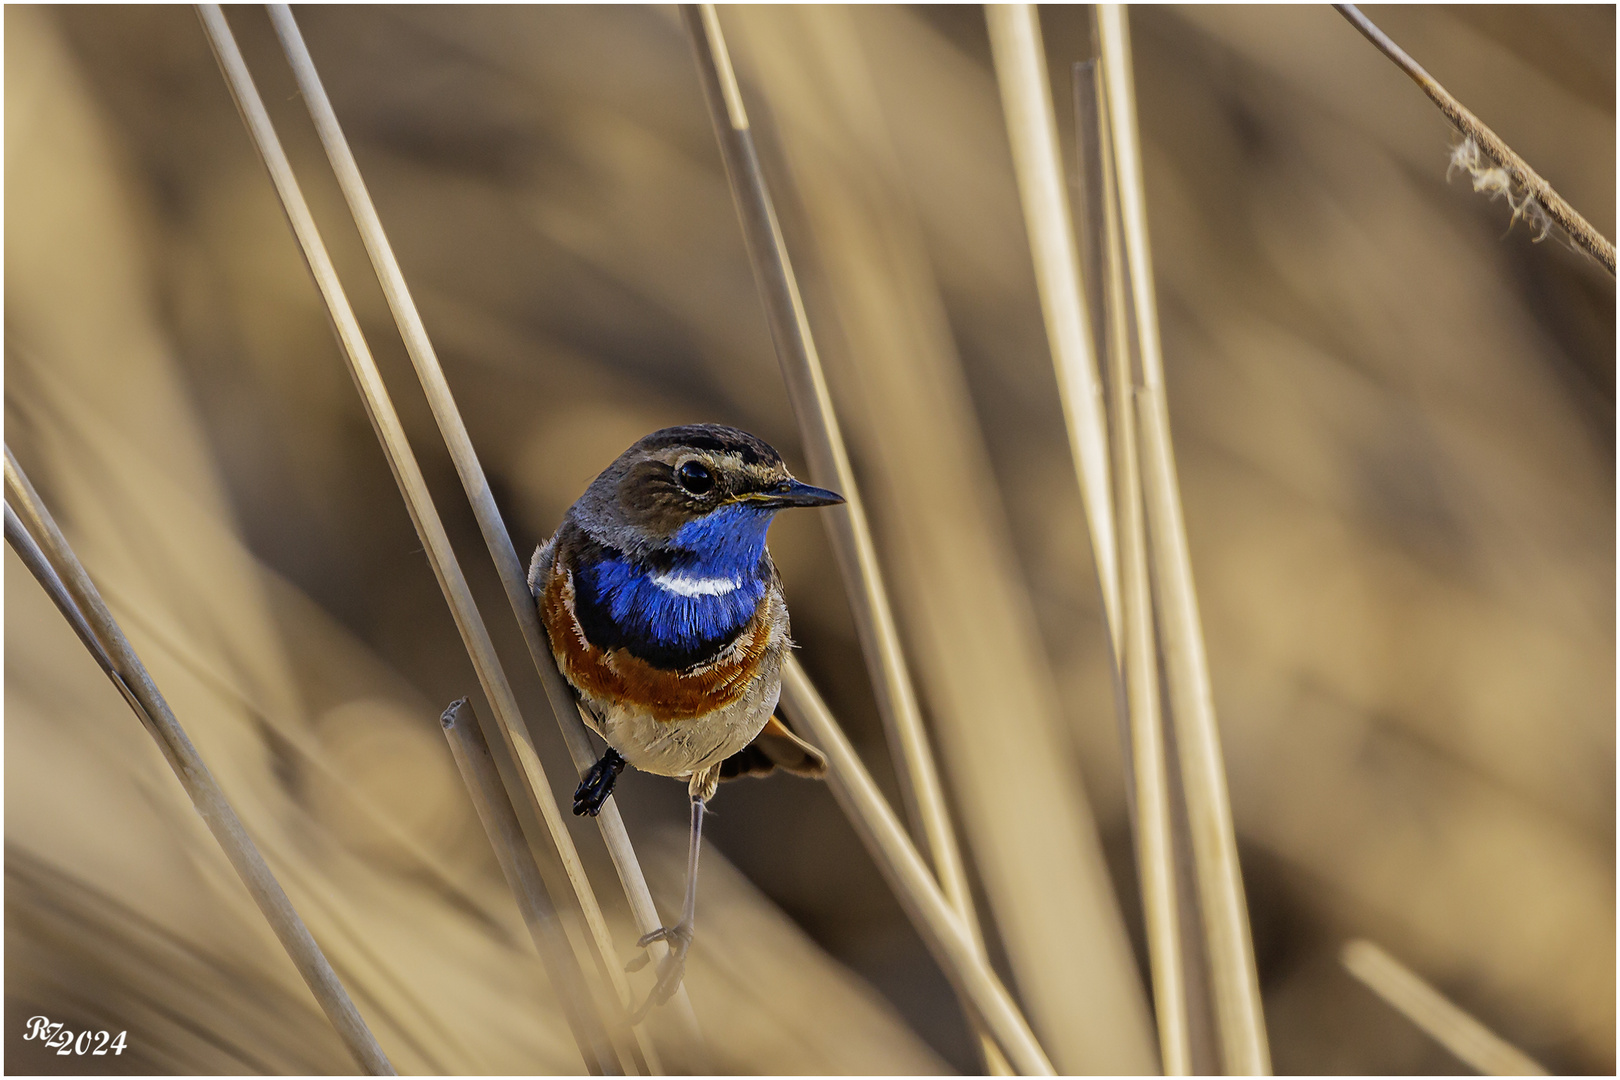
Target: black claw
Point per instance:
(594, 790)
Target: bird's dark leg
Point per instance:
(594, 790)
(673, 966)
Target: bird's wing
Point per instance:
(775, 747)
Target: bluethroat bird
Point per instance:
(667, 617)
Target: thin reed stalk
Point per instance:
(476, 485)
(1579, 229)
(33, 558)
(512, 851)
(408, 475)
(1407, 993)
(1020, 62)
(1150, 773)
(27, 515)
(828, 457)
(1192, 708)
(885, 838)
(922, 792)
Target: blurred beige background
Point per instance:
(1394, 423)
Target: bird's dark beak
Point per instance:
(794, 493)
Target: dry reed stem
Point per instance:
(1148, 756)
(828, 457)
(500, 823)
(33, 558)
(1579, 229)
(941, 928)
(408, 475)
(965, 608)
(1020, 63)
(921, 790)
(1473, 1043)
(1192, 708)
(476, 485)
(27, 513)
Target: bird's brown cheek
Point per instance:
(648, 499)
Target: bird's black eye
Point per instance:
(695, 477)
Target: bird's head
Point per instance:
(696, 493)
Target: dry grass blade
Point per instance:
(130, 676)
(1214, 841)
(851, 535)
(1472, 1042)
(1154, 818)
(1015, 41)
(1579, 229)
(483, 780)
(475, 483)
(947, 938)
(384, 419)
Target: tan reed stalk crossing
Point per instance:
(921, 790)
(1474, 1044)
(1148, 757)
(425, 360)
(941, 927)
(1579, 229)
(402, 461)
(500, 823)
(1235, 985)
(49, 556)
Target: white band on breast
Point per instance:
(682, 585)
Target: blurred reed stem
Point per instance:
(1117, 537)
(26, 515)
(500, 823)
(1155, 819)
(1235, 984)
(1474, 1044)
(476, 485)
(922, 793)
(1579, 229)
(1020, 63)
(941, 926)
(402, 461)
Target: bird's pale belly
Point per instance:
(685, 746)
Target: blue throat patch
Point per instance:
(621, 603)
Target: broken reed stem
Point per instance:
(500, 823)
(922, 792)
(408, 475)
(1020, 63)
(1579, 229)
(1472, 1042)
(476, 485)
(27, 515)
(1155, 848)
(940, 926)
(1192, 708)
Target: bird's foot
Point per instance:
(671, 968)
(594, 790)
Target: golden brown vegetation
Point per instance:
(1394, 433)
